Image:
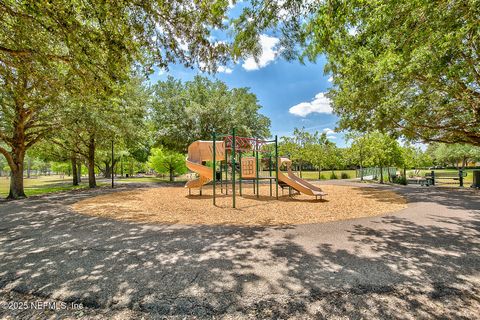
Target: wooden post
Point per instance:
(276, 167)
(257, 168)
(214, 166)
(270, 172)
(240, 174)
(233, 167)
(460, 177)
(226, 171)
(221, 176)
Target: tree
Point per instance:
(382, 151)
(28, 103)
(91, 122)
(407, 67)
(48, 49)
(335, 157)
(414, 157)
(358, 149)
(167, 161)
(298, 147)
(98, 39)
(318, 151)
(185, 112)
(457, 155)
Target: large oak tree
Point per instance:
(408, 67)
(185, 112)
(85, 46)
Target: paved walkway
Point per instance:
(421, 262)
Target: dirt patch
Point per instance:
(174, 205)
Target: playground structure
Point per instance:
(242, 155)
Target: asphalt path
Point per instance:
(420, 262)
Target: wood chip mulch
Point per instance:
(173, 205)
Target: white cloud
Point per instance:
(268, 53)
(330, 79)
(223, 69)
(320, 104)
(328, 131)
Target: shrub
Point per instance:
(400, 180)
(344, 175)
(333, 176)
(322, 177)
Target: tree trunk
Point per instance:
(79, 171)
(300, 169)
(131, 168)
(361, 164)
(16, 184)
(91, 164)
(171, 175)
(108, 170)
(381, 175)
(74, 171)
(319, 173)
(16, 162)
(29, 166)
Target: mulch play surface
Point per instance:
(173, 205)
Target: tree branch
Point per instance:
(8, 156)
(30, 52)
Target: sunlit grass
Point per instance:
(326, 174)
(44, 184)
(150, 179)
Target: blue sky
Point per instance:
(285, 90)
(291, 94)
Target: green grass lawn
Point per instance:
(150, 179)
(307, 175)
(313, 175)
(43, 184)
(48, 184)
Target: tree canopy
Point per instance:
(167, 161)
(185, 112)
(52, 51)
(407, 67)
(100, 40)
(456, 155)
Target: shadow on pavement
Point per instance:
(391, 267)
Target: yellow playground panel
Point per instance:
(249, 167)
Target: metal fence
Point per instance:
(373, 173)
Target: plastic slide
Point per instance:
(198, 152)
(297, 183)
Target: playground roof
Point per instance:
(245, 143)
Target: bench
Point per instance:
(432, 177)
